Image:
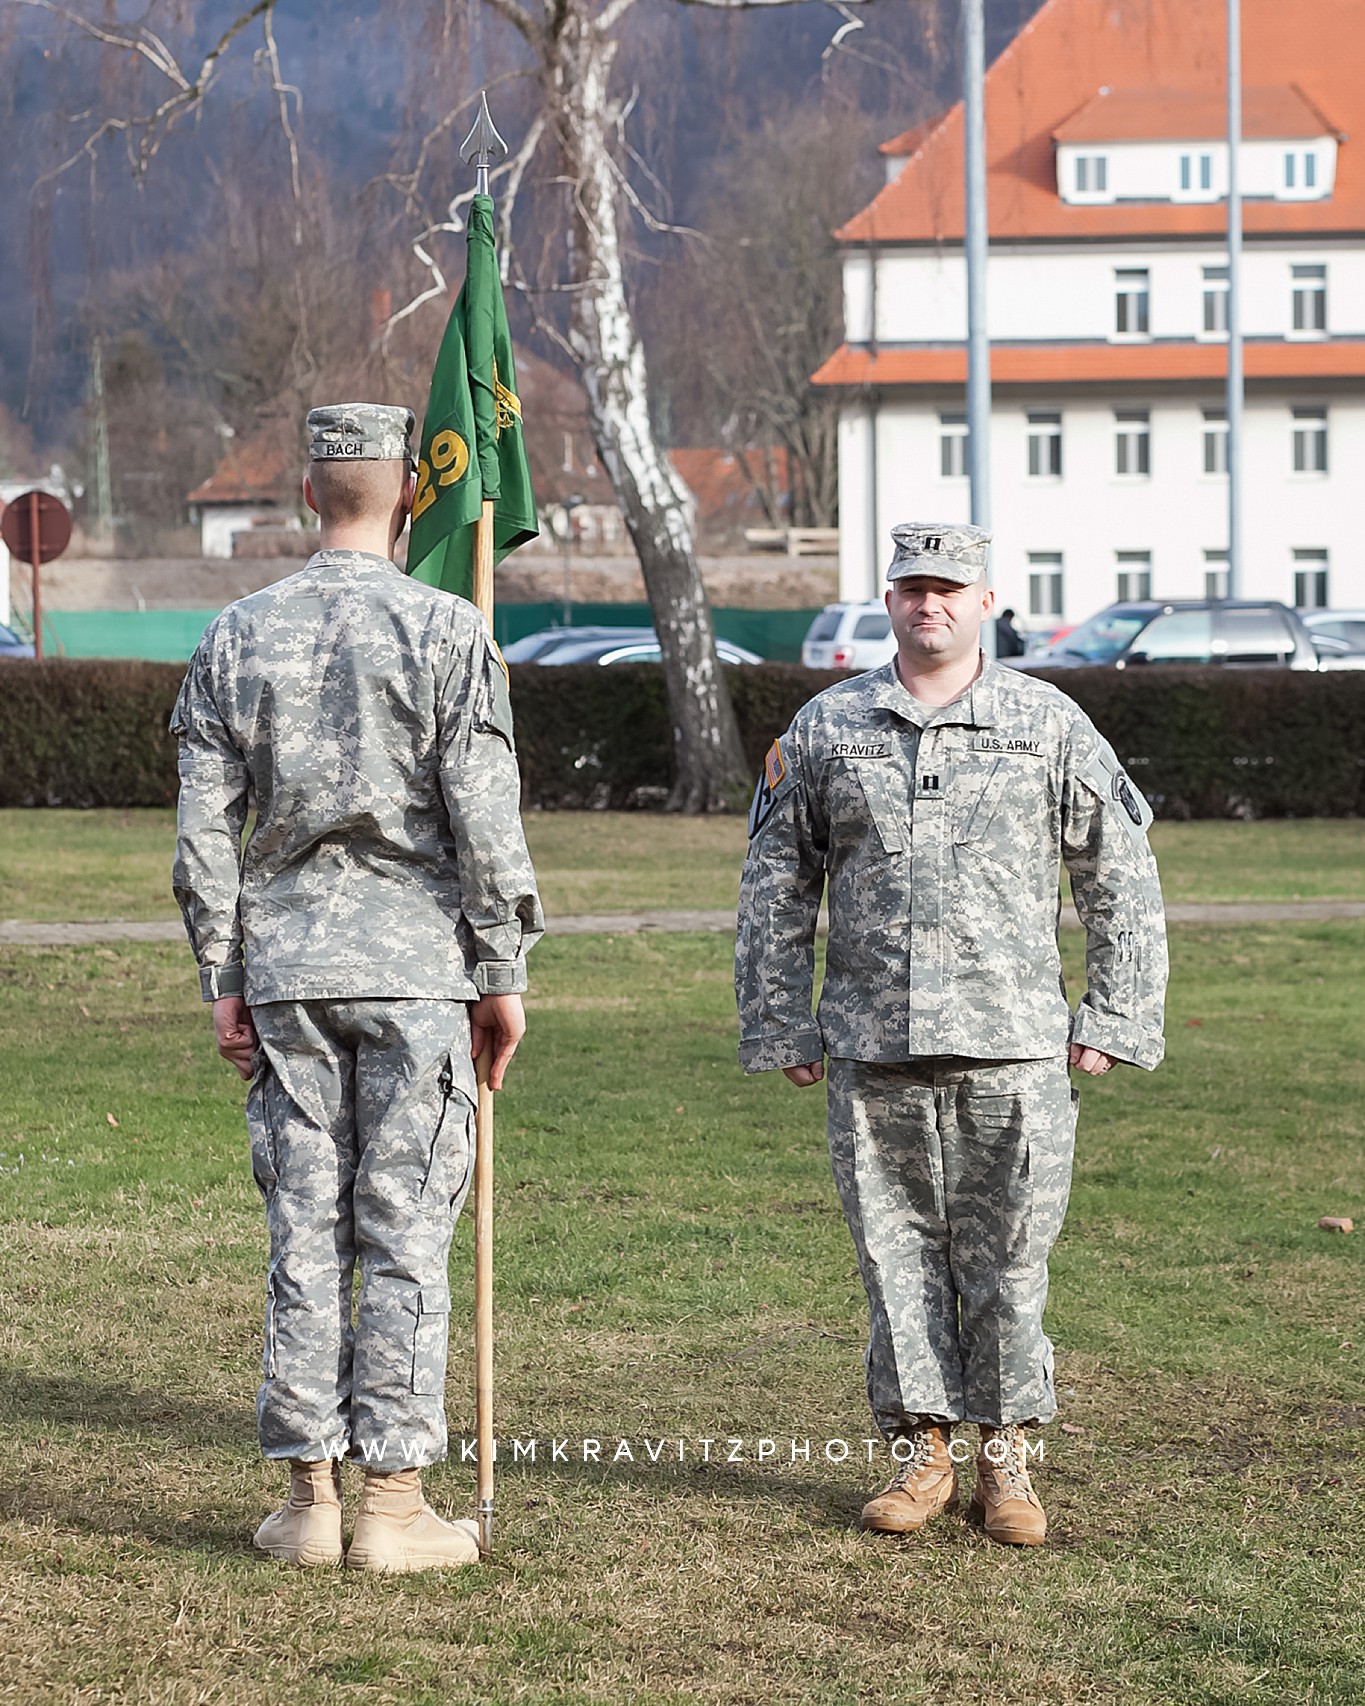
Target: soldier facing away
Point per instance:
(367, 942)
(938, 797)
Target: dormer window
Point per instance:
(1196, 174)
(1300, 171)
(1152, 142)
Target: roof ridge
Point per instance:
(1331, 126)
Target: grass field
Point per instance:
(108, 864)
(673, 1266)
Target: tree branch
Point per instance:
(521, 21)
(188, 93)
(282, 91)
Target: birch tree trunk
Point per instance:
(711, 771)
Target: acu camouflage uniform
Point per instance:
(940, 834)
(384, 886)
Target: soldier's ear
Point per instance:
(308, 497)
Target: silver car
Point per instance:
(1338, 637)
(849, 636)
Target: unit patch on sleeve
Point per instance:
(1110, 781)
(774, 765)
(775, 782)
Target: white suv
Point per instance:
(849, 636)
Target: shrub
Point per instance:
(1199, 742)
(88, 732)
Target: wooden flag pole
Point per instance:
(483, 1155)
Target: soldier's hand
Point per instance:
(805, 1076)
(234, 1032)
(499, 1020)
(1090, 1060)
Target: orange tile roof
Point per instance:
(1156, 113)
(256, 470)
(1061, 364)
(908, 140)
(1058, 63)
(720, 485)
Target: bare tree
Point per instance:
(761, 303)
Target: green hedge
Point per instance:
(89, 732)
(1218, 743)
(1199, 742)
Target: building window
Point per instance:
(1215, 574)
(1134, 575)
(1215, 441)
(1092, 174)
(1216, 302)
(1196, 174)
(1310, 580)
(1310, 441)
(1301, 171)
(1132, 441)
(1044, 583)
(1310, 300)
(952, 446)
(1131, 302)
(1044, 446)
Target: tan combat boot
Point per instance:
(307, 1529)
(923, 1485)
(1004, 1500)
(398, 1531)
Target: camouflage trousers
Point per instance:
(361, 1115)
(954, 1176)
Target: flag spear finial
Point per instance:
(483, 147)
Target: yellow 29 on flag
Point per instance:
(472, 444)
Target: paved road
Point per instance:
(23, 933)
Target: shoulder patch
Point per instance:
(774, 765)
(775, 782)
(1105, 776)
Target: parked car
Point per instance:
(533, 648)
(1339, 636)
(1222, 631)
(605, 646)
(627, 647)
(849, 636)
(11, 646)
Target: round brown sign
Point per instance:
(53, 523)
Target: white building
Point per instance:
(1107, 313)
(255, 485)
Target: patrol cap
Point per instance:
(360, 432)
(947, 551)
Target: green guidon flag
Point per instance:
(472, 444)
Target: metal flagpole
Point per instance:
(976, 244)
(481, 149)
(1236, 380)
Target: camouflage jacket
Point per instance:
(941, 843)
(365, 719)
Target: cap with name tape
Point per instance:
(945, 551)
(360, 432)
